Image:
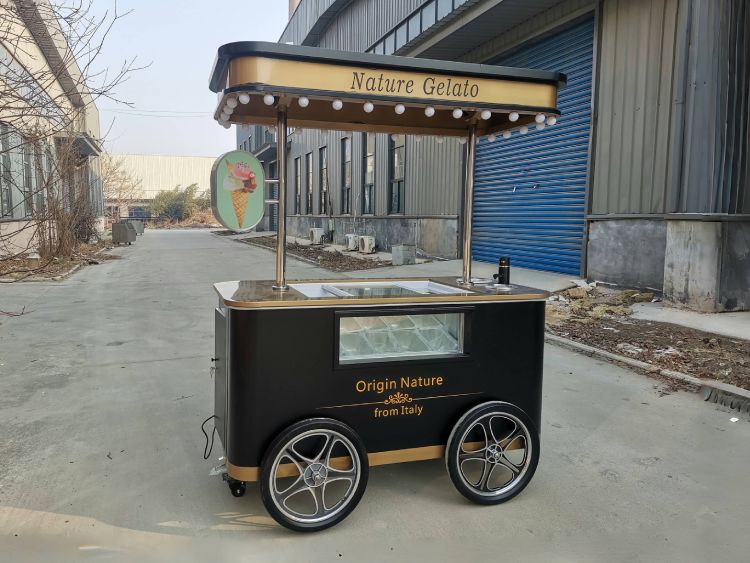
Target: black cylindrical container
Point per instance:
(503, 270)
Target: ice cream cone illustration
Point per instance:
(239, 202)
(240, 182)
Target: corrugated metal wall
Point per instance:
(635, 99)
(432, 189)
(715, 173)
(158, 173)
(355, 28)
(530, 190)
(434, 176)
(363, 22)
(672, 107)
(303, 20)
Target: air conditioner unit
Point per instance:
(352, 242)
(367, 245)
(317, 235)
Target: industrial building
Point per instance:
(644, 181)
(154, 173)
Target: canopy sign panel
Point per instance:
(237, 187)
(362, 92)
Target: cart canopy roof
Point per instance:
(325, 89)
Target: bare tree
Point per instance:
(119, 186)
(49, 83)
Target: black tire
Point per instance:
(505, 463)
(311, 471)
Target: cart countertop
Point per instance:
(251, 294)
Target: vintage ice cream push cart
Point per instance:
(317, 381)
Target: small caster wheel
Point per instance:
(236, 487)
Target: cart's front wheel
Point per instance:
(313, 474)
(492, 452)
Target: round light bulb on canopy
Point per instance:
(399, 109)
(486, 114)
(507, 134)
(540, 117)
(491, 137)
(303, 101)
(462, 140)
(232, 102)
(513, 116)
(225, 125)
(540, 126)
(244, 98)
(269, 100)
(551, 120)
(429, 111)
(368, 107)
(337, 104)
(523, 130)
(457, 113)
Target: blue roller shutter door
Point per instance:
(530, 189)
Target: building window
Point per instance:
(428, 15)
(28, 186)
(6, 178)
(401, 35)
(346, 176)
(415, 27)
(323, 179)
(396, 150)
(368, 173)
(297, 186)
(389, 43)
(444, 8)
(40, 181)
(309, 183)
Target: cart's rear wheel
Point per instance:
(492, 452)
(313, 474)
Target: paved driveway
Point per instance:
(104, 383)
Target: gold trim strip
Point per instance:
(376, 458)
(389, 457)
(413, 399)
(342, 302)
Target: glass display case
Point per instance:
(378, 338)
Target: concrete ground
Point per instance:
(104, 382)
(734, 325)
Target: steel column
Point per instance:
(281, 132)
(469, 202)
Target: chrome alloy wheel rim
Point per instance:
(314, 476)
(501, 457)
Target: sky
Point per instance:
(172, 105)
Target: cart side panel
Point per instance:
(283, 369)
(220, 374)
(509, 341)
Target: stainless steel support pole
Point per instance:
(469, 202)
(281, 131)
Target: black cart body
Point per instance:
(282, 364)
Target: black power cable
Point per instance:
(208, 449)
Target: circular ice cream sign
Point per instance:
(237, 190)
